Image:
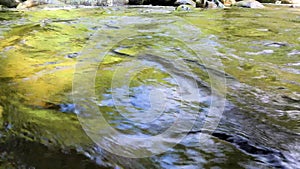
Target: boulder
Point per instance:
(9, 3)
(213, 4)
(249, 4)
(198, 3)
(229, 2)
(28, 4)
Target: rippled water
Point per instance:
(143, 71)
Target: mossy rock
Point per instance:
(9, 3)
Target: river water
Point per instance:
(129, 87)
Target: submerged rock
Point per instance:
(294, 52)
(249, 4)
(184, 8)
(263, 52)
(276, 44)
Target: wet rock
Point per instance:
(276, 44)
(294, 52)
(72, 55)
(199, 3)
(292, 97)
(264, 52)
(67, 108)
(28, 4)
(125, 51)
(214, 4)
(229, 2)
(9, 3)
(138, 2)
(185, 2)
(293, 64)
(211, 5)
(249, 4)
(184, 8)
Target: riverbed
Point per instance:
(101, 87)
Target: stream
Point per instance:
(150, 87)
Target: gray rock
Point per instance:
(28, 4)
(294, 52)
(185, 2)
(249, 4)
(184, 8)
(213, 4)
(229, 2)
(276, 44)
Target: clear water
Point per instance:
(142, 69)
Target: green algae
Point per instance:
(38, 68)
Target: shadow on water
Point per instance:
(19, 153)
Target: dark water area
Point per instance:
(218, 88)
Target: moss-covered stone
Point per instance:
(9, 3)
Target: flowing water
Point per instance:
(90, 88)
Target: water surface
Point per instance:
(159, 66)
